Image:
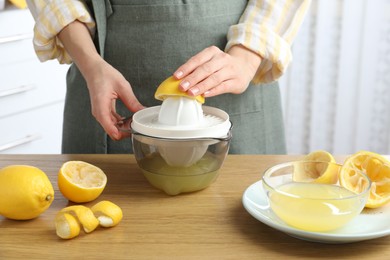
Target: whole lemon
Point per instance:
(25, 192)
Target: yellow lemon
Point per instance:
(323, 168)
(320, 156)
(25, 192)
(170, 87)
(108, 213)
(377, 168)
(22, 4)
(67, 226)
(80, 181)
(84, 215)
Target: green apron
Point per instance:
(147, 40)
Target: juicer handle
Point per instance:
(124, 125)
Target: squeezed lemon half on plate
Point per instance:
(377, 168)
(317, 172)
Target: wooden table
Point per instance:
(210, 224)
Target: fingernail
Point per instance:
(114, 135)
(194, 91)
(185, 84)
(178, 74)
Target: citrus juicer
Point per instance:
(181, 144)
(181, 117)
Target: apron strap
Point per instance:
(102, 10)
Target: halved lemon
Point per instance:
(170, 87)
(318, 167)
(377, 168)
(81, 182)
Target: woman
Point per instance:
(139, 43)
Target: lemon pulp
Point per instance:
(377, 168)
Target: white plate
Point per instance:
(370, 224)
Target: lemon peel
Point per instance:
(80, 181)
(108, 213)
(67, 226)
(69, 220)
(170, 87)
(377, 168)
(84, 215)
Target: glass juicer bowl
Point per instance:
(180, 146)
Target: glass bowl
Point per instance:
(180, 165)
(304, 204)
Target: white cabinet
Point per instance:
(31, 93)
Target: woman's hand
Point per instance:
(105, 84)
(213, 72)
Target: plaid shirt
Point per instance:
(267, 27)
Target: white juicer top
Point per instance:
(181, 118)
(181, 112)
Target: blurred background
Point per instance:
(336, 93)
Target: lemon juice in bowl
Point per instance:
(315, 207)
(312, 206)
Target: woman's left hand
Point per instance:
(213, 72)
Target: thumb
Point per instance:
(130, 100)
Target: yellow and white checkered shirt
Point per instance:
(267, 27)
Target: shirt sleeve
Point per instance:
(268, 28)
(51, 16)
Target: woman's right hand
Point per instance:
(105, 83)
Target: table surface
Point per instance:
(209, 224)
